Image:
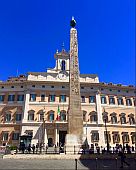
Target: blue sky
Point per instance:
(31, 31)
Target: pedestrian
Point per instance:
(113, 151)
(128, 149)
(98, 149)
(23, 148)
(33, 148)
(133, 149)
(40, 147)
(36, 148)
(29, 148)
(122, 158)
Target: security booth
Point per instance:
(25, 140)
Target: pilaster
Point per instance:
(26, 107)
(99, 108)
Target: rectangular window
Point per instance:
(125, 138)
(11, 98)
(128, 102)
(92, 99)
(8, 117)
(32, 97)
(2, 98)
(116, 138)
(120, 101)
(20, 97)
(41, 116)
(95, 136)
(133, 137)
(111, 100)
(5, 136)
(18, 117)
(42, 97)
(15, 136)
(83, 99)
(51, 98)
(63, 98)
(103, 100)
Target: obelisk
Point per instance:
(75, 117)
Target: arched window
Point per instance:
(63, 65)
(113, 118)
(51, 116)
(122, 118)
(131, 119)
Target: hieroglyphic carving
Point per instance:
(74, 73)
(74, 99)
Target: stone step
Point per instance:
(52, 150)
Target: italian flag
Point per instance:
(58, 114)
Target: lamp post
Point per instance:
(86, 129)
(105, 121)
(86, 141)
(43, 130)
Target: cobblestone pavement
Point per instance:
(107, 164)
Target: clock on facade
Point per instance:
(62, 75)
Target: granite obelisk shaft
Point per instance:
(75, 118)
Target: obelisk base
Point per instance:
(73, 144)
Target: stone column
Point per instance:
(45, 137)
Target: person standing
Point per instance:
(33, 148)
(36, 148)
(29, 148)
(122, 158)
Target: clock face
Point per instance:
(62, 76)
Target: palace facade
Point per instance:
(34, 108)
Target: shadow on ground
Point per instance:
(103, 161)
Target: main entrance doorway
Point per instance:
(62, 135)
(50, 142)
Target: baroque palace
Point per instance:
(34, 108)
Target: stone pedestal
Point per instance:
(72, 144)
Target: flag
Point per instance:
(58, 113)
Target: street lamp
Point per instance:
(43, 130)
(105, 121)
(86, 126)
(86, 141)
